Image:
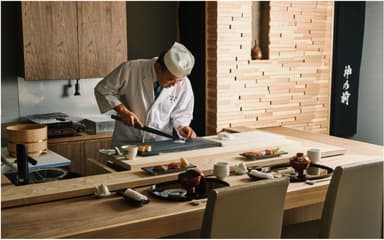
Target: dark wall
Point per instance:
(151, 28)
(10, 38)
(192, 35)
(11, 50)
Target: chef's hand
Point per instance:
(127, 117)
(187, 132)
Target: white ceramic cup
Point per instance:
(221, 170)
(314, 154)
(124, 148)
(132, 152)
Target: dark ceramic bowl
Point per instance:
(190, 178)
(299, 163)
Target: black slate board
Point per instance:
(172, 146)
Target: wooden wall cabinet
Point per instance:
(72, 40)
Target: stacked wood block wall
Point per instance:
(291, 88)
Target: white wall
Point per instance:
(36, 97)
(370, 99)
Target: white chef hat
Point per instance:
(179, 60)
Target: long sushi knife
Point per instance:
(148, 129)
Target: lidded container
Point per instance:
(34, 136)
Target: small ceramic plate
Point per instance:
(167, 190)
(262, 156)
(177, 192)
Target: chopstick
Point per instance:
(311, 182)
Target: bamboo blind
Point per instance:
(291, 88)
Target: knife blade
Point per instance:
(148, 129)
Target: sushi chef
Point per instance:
(153, 92)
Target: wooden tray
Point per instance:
(152, 171)
(169, 190)
(323, 172)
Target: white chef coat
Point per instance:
(132, 84)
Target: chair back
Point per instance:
(353, 207)
(253, 210)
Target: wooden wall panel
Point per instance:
(291, 88)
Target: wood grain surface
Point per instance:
(102, 37)
(53, 55)
(85, 216)
(202, 158)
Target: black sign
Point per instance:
(347, 49)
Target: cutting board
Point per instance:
(174, 146)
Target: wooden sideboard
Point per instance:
(80, 148)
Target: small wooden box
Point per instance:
(97, 125)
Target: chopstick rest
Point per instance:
(240, 169)
(102, 191)
(312, 182)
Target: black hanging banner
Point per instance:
(347, 48)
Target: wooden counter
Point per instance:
(81, 215)
(241, 142)
(202, 158)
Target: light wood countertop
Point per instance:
(203, 158)
(81, 215)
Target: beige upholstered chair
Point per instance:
(354, 203)
(253, 210)
(353, 207)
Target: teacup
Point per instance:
(314, 155)
(130, 151)
(221, 170)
